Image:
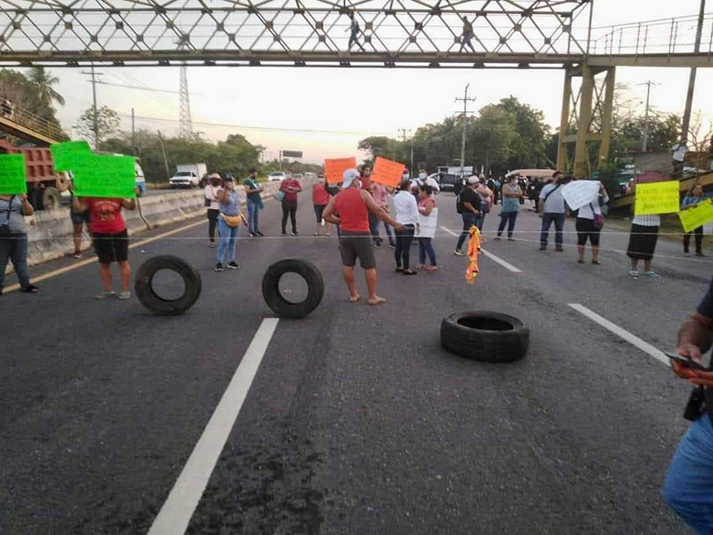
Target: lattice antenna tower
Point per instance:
(185, 124)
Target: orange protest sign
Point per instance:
(334, 169)
(387, 172)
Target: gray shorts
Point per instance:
(353, 245)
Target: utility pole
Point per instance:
(686, 123)
(95, 126)
(465, 101)
(404, 132)
(645, 142)
(133, 133)
(165, 160)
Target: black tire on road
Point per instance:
(485, 336)
(143, 285)
(271, 288)
(50, 198)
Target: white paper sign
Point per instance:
(428, 224)
(580, 193)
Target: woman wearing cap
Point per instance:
(228, 223)
(211, 201)
(511, 194)
(406, 215)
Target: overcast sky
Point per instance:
(337, 107)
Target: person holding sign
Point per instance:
(353, 205)
(13, 239)
(110, 237)
(589, 226)
(642, 239)
(695, 197)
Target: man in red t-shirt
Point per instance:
(110, 237)
(291, 187)
(354, 205)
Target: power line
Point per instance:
(262, 128)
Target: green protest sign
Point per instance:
(13, 179)
(65, 155)
(100, 175)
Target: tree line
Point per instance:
(512, 135)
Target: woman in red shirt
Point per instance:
(320, 200)
(111, 240)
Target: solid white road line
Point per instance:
(626, 335)
(176, 513)
(497, 259)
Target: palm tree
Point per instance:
(43, 81)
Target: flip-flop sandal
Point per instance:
(380, 301)
(580, 261)
(596, 262)
(354, 299)
(104, 295)
(634, 274)
(399, 270)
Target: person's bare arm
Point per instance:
(377, 210)
(328, 214)
(222, 196)
(26, 206)
(129, 204)
(694, 339)
(426, 210)
(78, 205)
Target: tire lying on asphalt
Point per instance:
(143, 285)
(271, 288)
(485, 336)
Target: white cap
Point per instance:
(349, 176)
(473, 180)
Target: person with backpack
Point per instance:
(468, 205)
(552, 210)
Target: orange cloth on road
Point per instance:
(473, 251)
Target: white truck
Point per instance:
(188, 175)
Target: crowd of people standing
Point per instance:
(412, 204)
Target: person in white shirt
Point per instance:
(211, 201)
(425, 180)
(406, 211)
(588, 226)
(552, 210)
(678, 156)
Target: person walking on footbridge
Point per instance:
(354, 27)
(467, 35)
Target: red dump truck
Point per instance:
(43, 184)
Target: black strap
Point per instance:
(9, 207)
(550, 193)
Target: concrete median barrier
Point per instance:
(50, 232)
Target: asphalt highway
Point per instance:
(356, 421)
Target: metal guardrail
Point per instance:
(30, 121)
(662, 36)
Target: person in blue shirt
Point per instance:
(689, 482)
(695, 197)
